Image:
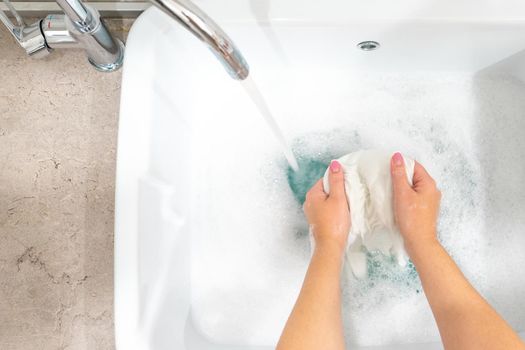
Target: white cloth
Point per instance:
(368, 186)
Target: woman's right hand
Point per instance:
(465, 320)
(329, 215)
(416, 207)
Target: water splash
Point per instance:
(255, 94)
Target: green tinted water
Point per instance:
(385, 268)
(300, 181)
(380, 268)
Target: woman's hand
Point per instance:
(465, 320)
(415, 207)
(316, 320)
(329, 215)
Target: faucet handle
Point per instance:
(30, 37)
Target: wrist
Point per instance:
(330, 248)
(416, 247)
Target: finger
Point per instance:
(316, 190)
(422, 180)
(337, 180)
(399, 176)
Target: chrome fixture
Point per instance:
(79, 27)
(368, 45)
(204, 28)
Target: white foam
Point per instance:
(250, 250)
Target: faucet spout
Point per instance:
(204, 28)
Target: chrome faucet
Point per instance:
(204, 28)
(81, 27)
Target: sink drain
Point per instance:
(368, 45)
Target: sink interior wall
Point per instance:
(426, 92)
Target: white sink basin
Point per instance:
(210, 244)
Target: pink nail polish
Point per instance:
(335, 166)
(397, 159)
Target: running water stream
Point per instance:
(255, 94)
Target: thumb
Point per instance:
(337, 180)
(399, 176)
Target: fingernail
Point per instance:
(397, 159)
(335, 166)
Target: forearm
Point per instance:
(465, 319)
(316, 322)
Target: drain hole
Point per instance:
(368, 45)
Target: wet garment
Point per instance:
(368, 186)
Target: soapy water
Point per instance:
(386, 281)
(251, 248)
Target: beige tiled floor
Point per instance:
(58, 128)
